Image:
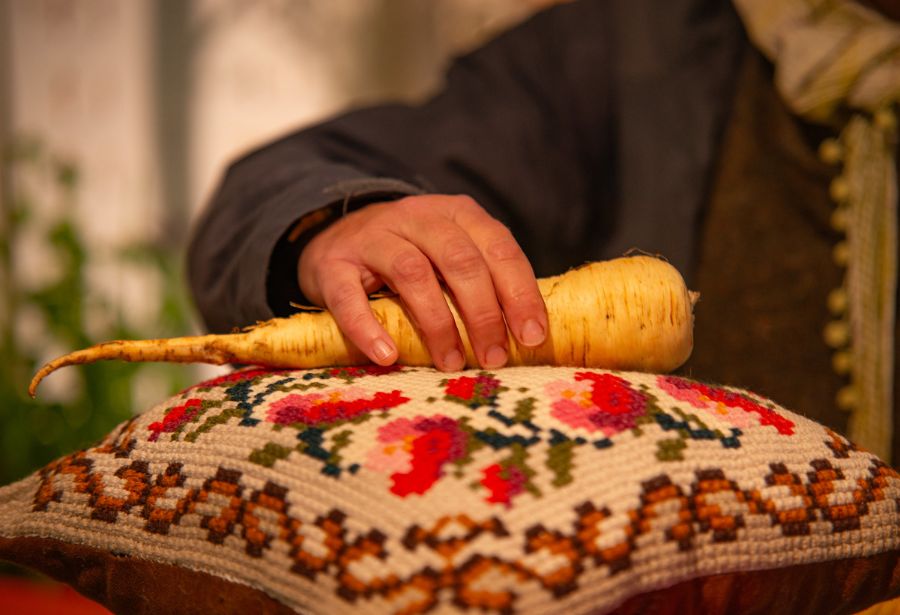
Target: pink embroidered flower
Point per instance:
(414, 451)
(175, 418)
(394, 453)
(319, 408)
(596, 402)
(482, 390)
(731, 406)
(504, 483)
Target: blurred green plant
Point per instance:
(96, 397)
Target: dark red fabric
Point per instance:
(133, 586)
(838, 587)
(44, 598)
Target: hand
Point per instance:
(410, 244)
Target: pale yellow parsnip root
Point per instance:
(630, 313)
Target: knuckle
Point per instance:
(411, 267)
(343, 298)
(404, 206)
(504, 249)
(486, 320)
(461, 258)
(352, 317)
(355, 323)
(464, 201)
(439, 325)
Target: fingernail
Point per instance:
(453, 360)
(532, 333)
(494, 357)
(382, 350)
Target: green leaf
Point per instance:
(670, 450)
(269, 454)
(559, 460)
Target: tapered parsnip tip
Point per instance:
(33, 385)
(85, 355)
(212, 349)
(48, 369)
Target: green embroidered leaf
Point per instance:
(472, 445)
(212, 421)
(524, 410)
(341, 440)
(559, 460)
(269, 454)
(670, 450)
(298, 386)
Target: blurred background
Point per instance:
(116, 121)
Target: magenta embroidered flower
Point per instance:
(482, 390)
(175, 418)
(322, 408)
(414, 451)
(504, 483)
(735, 408)
(596, 402)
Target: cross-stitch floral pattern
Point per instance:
(415, 451)
(404, 491)
(596, 402)
(321, 409)
(175, 418)
(587, 408)
(473, 391)
(504, 483)
(737, 408)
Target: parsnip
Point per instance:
(630, 313)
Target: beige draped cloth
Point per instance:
(838, 63)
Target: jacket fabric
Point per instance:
(588, 130)
(592, 128)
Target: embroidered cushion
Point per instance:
(401, 490)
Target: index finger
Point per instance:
(343, 294)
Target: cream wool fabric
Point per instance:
(838, 63)
(534, 490)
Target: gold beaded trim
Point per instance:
(837, 332)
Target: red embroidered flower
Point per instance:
(504, 483)
(415, 451)
(596, 402)
(722, 402)
(481, 390)
(322, 408)
(175, 418)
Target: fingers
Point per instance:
(512, 275)
(343, 294)
(464, 270)
(409, 244)
(412, 276)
